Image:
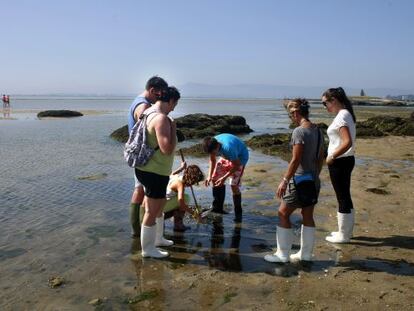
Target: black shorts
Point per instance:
(155, 186)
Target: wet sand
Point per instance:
(373, 272)
(219, 265)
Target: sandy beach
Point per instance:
(83, 240)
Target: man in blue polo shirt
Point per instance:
(233, 159)
(152, 92)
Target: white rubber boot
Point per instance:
(345, 224)
(284, 239)
(351, 227)
(159, 238)
(148, 248)
(307, 240)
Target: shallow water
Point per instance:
(65, 196)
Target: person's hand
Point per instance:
(219, 182)
(281, 189)
(329, 160)
(207, 182)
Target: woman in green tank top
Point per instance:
(154, 176)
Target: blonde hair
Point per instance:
(298, 104)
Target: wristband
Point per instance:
(285, 180)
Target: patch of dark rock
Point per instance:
(194, 151)
(385, 125)
(59, 114)
(7, 254)
(363, 130)
(198, 126)
(272, 144)
(94, 177)
(377, 191)
(151, 294)
(122, 135)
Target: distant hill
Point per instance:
(273, 91)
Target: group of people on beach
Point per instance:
(6, 100)
(159, 192)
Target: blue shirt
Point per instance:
(232, 148)
(137, 101)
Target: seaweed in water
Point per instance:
(141, 297)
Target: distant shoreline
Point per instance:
(356, 100)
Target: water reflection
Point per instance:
(6, 112)
(220, 257)
(151, 286)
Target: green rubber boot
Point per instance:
(134, 213)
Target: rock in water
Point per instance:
(56, 281)
(201, 125)
(272, 144)
(198, 126)
(59, 114)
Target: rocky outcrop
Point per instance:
(272, 144)
(199, 126)
(278, 144)
(386, 125)
(59, 114)
(122, 134)
(194, 151)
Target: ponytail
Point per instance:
(339, 94)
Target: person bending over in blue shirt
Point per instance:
(233, 155)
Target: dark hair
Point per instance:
(192, 175)
(209, 144)
(156, 83)
(339, 94)
(170, 93)
(298, 104)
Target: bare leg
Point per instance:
(284, 214)
(153, 209)
(307, 215)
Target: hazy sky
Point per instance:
(98, 46)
